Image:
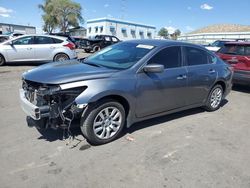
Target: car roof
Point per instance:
(238, 43)
(161, 43)
(43, 35)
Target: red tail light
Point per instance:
(70, 45)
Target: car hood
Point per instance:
(66, 72)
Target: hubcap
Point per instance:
(216, 98)
(107, 122)
(61, 58)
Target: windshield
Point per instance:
(218, 43)
(119, 56)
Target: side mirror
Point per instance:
(154, 68)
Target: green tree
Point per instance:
(163, 33)
(175, 35)
(61, 14)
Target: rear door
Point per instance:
(22, 49)
(202, 72)
(44, 47)
(160, 92)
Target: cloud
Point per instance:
(206, 7)
(189, 8)
(4, 12)
(170, 29)
(189, 28)
(106, 5)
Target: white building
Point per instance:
(215, 32)
(124, 30)
(13, 28)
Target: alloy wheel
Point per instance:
(107, 122)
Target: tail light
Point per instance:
(70, 45)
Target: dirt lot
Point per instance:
(188, 149)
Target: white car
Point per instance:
(31, 48)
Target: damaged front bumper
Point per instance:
(32, 110)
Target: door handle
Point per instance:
(181, 77)
(211, 71)
(29, 48)
(52, 47)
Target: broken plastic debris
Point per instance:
(129, 138)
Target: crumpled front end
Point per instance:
(49, 105)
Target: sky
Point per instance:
(186, 15)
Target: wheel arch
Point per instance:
(60, 53)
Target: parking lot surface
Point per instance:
(193, 148)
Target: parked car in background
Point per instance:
(4, 38)
(216, 45)
(237, 54)
(29, 48)
(98, 42)
(124, 83)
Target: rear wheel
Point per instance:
(2, 60)
(96, 48)
(104, 122)
(214, 98)
(61, 57)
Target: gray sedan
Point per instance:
(123, 84)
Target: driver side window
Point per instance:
(169, 57)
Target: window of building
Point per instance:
(96, 29)
(89, 29)
(101, 29)
(195, 56)
(169, 57)
(149, 34)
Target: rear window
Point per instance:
(57, 41)
(235, 49)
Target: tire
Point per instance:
(214, 98)
(61, 57)
(2, 60)
(87, 51)
(96, 48)
(98, 125)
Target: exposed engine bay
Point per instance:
(56, 107)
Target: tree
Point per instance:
(49, 17)
(175, 35)
(163, 33)
(61, 14)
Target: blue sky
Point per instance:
(187, 15)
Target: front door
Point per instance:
(22, 49)
(160, 92)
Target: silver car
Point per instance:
(30, 48)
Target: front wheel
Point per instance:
(214, 98)
(104, 122)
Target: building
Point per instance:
(124, 30)
(78, 31)
(212, 33)
(13, 28)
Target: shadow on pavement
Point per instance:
(53, 135)
(241, 88)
